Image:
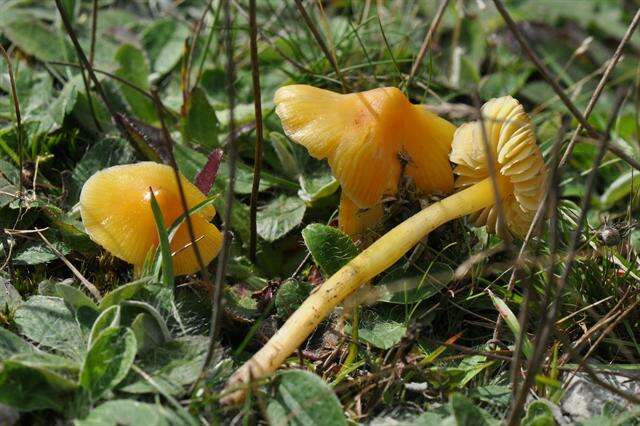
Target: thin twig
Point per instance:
(94, 29)
(602, 83)
(426, 43)
(192, 48)
(232, 150)
(546, 74)
(321, 43)
(89, 286)
(16, 107)
(550, 314)
(257, 104)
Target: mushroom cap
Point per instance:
(518, 163)
(115, 205)
(354, 221)
(363, 136)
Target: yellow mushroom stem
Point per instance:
(383, 253)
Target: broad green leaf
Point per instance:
(315, 186)
(331, 248)
(110, 317)
(9, 296)
(200, 125)
(512, 322)
(290, 295)
(164, 42)
(10, 345)
(148, 334)
(134, 69)
(240, 305)
(108, 361)
(39, 40)
(173, 365)
(538, 414)
(127, 412)
(279, 217)
(48, 322)
(625, 184)
(38, 252)
(467, 414)
(30, 388)
(302, 398)
(124, 292)
(74, 297)
(383, 333)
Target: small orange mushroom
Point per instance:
(366, 136)
(115, 205)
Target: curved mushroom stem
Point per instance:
(375, 259)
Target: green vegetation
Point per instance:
(450, 334)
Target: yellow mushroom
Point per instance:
(115, 205)
(366, 137)
(520, 171)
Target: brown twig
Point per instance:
(550, 314)
(16, 107)
(426, 43)
(257, 103)
(223, 258)
(602, 83)
(546, 74)
(88, 285)
(321, 43)
(94, 29)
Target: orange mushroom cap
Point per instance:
(364, 135)
(115, 205)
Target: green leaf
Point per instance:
(467, 414)
(38, 252)
(108, 361)
(110, 317)
(538, 414)
(126, 412)
(74, 297)
(10, 345)
(331, 248)
(29, 388)
(48, 322)
(173, 365)
(37, 39)
(134, 69)
(625, 184)
(279, 217)
(302, 398)
(512, 322)
(290, 295)
(165, 260)
(317, 185)
(200, 125)
(383, 333)
(110, 151)
(9, 296)
(124, 292)
(164, 42)
(148, 333)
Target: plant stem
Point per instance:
(372, 261)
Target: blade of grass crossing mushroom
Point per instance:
(164, 260)
(257, 104)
